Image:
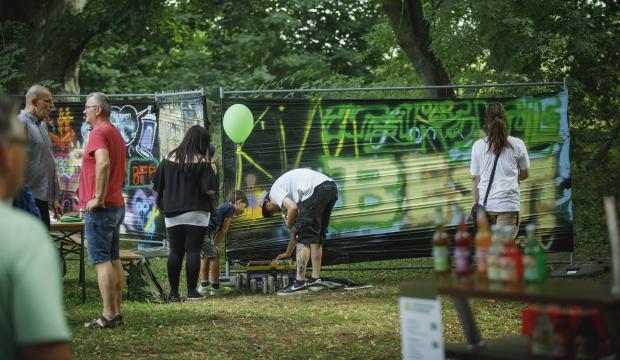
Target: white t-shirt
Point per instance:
(504, 194)
(297, 184)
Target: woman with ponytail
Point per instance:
(184, 182)
(502, 201)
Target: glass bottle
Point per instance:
(441, 245)
(483, 244)
(534, 266)
(463, 250)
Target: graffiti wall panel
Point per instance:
(138, 125)
(395, 162)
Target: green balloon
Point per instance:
(238, 123)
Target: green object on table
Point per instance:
(70, 219)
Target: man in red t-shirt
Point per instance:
(100, 194)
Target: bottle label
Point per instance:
(530, 271)
(440, 258)
(461, 259)
(508, 269)
(493, 270)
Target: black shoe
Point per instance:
(174, 298)
(316, 285)
(194, 295)
(294, 289)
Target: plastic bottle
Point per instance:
(441, 245)
(586, 339)
(511, 262)
(562, 337)
(483, 244)
(463, 250)
(542, 335)
(534, 265)
(493, 264)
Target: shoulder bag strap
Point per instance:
(486, 196)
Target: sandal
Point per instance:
(100, 323)
(117, 320)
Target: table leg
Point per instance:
(472, 334)
(82, 272)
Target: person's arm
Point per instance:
(291, 212)
(524, 174)
(102, 175)
(475, 179)
(55, 203)
(51, 351)
(289, 249)
(219, 235)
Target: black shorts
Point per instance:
(314, 213)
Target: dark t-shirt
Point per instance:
(222, 212)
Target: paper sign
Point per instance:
(421, 331)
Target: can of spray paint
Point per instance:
(279, 282)
(284, 281)
(271, 284)
(265, 285)
(244, 280)
(253, 286)
(238, 282)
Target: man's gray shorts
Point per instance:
(208, 247)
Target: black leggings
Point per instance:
(184, 239)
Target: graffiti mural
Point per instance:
(395, 162)
(138, 125)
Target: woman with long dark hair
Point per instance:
(510, 154)
(184, 181)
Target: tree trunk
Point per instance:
(413, 35)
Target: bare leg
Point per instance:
(106, 277)
(316, 253)
(303, 255)
(215, 269)
(204, 268)
(120, 284)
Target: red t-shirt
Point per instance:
(104, 136)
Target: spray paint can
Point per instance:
(265, 285)
(238, 282)
(253, 286)
(284, 281)
(279, 282)
(244, 280)
(271, 284)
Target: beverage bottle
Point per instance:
(483, 244)
(441, 245)
(463, 250)
(511, 262)
(542, 335)
(493, 265)
(562, 337)
(534, 267)
(586, 340)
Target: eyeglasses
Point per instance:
(90, 106)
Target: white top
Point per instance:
(196, 218)
(504, 194)
(297, 184)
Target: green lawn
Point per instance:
(361, 324)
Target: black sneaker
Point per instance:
(316, 285)
(294, 289)
(174, 298)
(194, 295)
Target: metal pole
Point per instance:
(395, 88)
(222, 92)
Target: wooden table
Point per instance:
(585, 293)
(62, 234)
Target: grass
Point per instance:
(361, 324)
